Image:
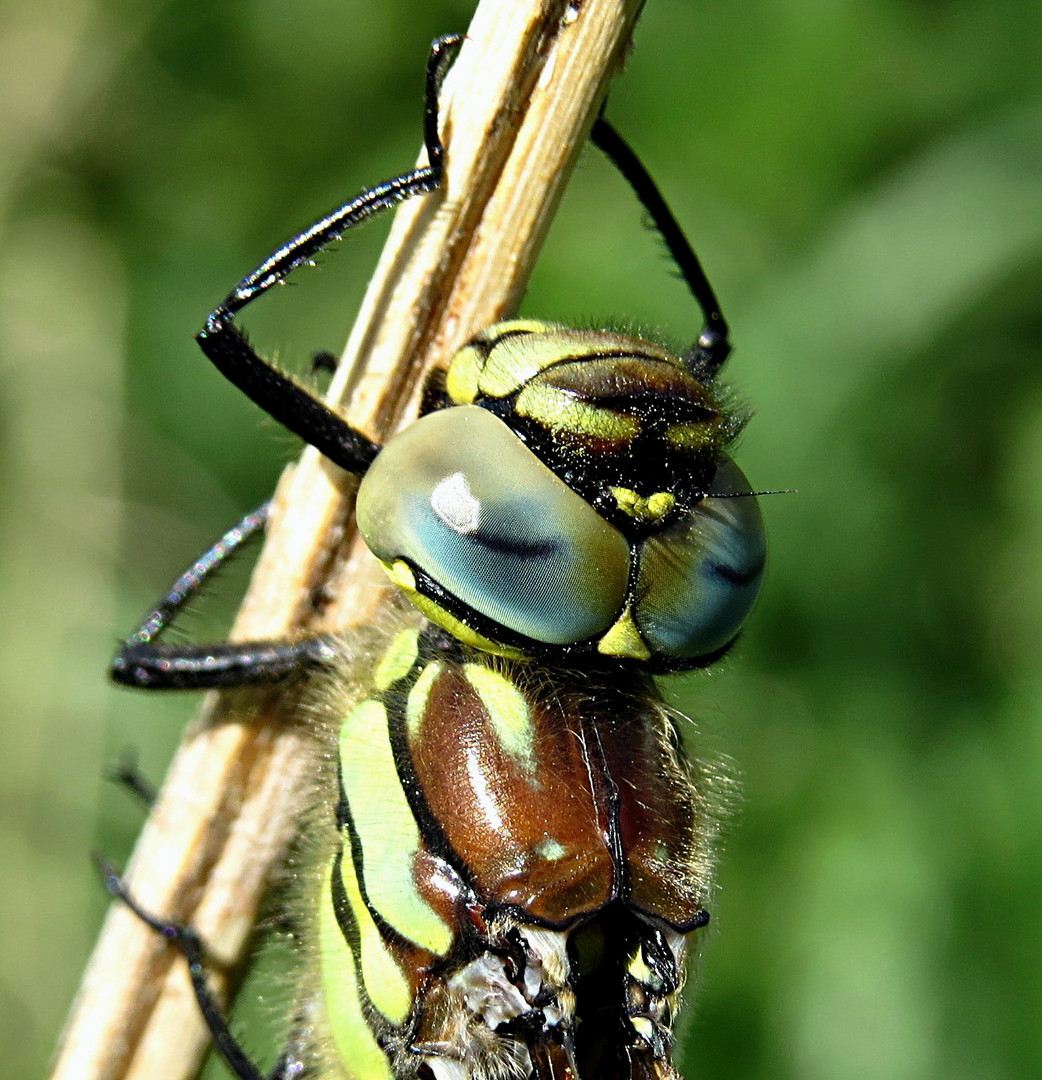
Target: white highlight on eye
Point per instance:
(453, 502)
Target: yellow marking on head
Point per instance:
(398, 659)
(697, 436)
(383, 979)
(385, 826)
(557, 409)
(401, 574)
(513, 361)
(650, 509)
(623, 639)
(353, 1038)
(508, 712)
(461, 380)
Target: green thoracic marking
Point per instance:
(398, 659)
(551, 849)
(386, 828)
(347, 1024)
(416, 705)
(643, 1026)
(384, 981)
(508, 713)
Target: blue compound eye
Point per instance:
(458, 496)
(699, 577)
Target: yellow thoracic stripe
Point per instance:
(347, 1026)
(383, 979)
(464, 381)
(385, 827)
(508, 713)
(416, 704)
(398, 659)
(516, 360)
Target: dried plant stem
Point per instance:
(516, 109)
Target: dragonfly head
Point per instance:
(571, 495)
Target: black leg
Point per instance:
(708, 354)
(129, 776)
(145, 662)
(230, 351)
(187, 941)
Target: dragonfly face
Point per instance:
(515, 853)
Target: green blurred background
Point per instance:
(864, 182)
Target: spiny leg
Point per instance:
(142, 660)
(708, 354)
(145, 662)
(189, 944)
(228, 347)
(127, 773)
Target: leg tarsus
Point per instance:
(148, 663)
(188, 584)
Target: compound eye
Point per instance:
(461, 498)
(699, 577)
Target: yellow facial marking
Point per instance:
(351, 1035)
(649, 509)
(400, 572)
(624, 639)
(508, 712)
(447, 621)
(638, 968)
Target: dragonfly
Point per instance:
(514, 852)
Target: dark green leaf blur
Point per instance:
(864, 183)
